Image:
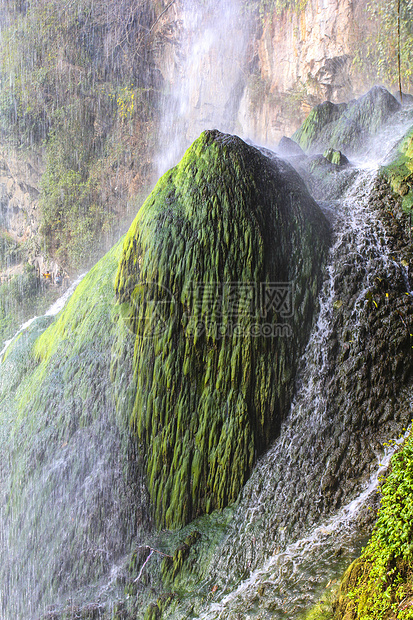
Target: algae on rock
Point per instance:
(217, 343)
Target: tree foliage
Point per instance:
(380, 54)
(79, 86)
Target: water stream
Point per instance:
(210, 75)
(67, 530)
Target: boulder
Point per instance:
(336, 157)
(218, 284)
(289, 148)
(347, 127)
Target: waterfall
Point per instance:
(282, 532)
(73, 504)
(209, 78)
(301, 517)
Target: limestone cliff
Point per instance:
(206, 65)
(304, 56)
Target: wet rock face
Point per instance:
(320, 119)
(218, 283)
(19, 194)
(289, 148)
(347, 127)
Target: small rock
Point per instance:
(336, 157)
(404, 189)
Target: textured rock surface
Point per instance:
(19, 192)
(336, 157)
(208, 401)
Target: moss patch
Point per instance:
(347, 127)
(316, 122)
(400, 171)
(379, 586)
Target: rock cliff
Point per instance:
(304, 55)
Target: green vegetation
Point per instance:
(378, 57)
(320, 118)
(400, 171)
(10, 253)
(335, 157)
(379, 585)
(78, 87)
(207, 398)
(347, 127)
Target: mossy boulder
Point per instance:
(399, 172)
(347, 127)
(379, 583)
(317, 124)
(336, 157)
(362, 120)
(218, 283)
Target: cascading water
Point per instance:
(210, 75)
(282, 536)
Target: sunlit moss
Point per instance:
(400, 171)
(378, 585)
(208, 400)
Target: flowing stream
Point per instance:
(209, 80)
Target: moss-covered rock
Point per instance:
(153, 612)
(378, 586)
(336, 157)
(317, 123)
(362, 120)
(216, 342)
(171, 566)
(347, 127)
(399, 172)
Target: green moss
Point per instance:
(172, 566)
(83, 313)
(335, 157)
(153, 613)
(347, 127)
(316, 122)
(379, 586)
(399, 172)
(209, 399)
